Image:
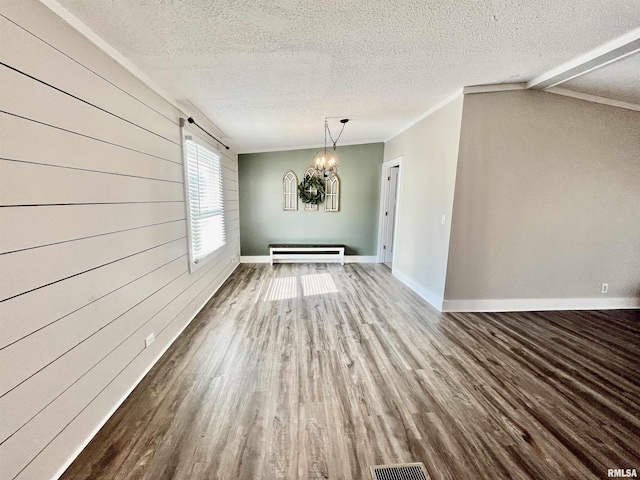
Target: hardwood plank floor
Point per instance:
(262, 386)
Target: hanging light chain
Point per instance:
(324, 164)
(326, 129)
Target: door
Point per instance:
(390, 216)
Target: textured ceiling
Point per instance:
(619, 80)
(268, 72)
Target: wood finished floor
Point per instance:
(323, 386)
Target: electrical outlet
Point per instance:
(149, 340)
(604, 288)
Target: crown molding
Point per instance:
(301, 147)
(103, 45)
(98, 41)
(593, 98)
(496, 87)
(433, 109)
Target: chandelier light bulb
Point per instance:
(325, 164)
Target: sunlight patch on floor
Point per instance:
(281, 289)
(317, 284)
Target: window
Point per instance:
(205, 200)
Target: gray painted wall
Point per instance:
(547, 199)
(262, 220)
(430, 154)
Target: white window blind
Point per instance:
(206, 203)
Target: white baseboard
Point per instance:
(539, 304)
(347, 259)
(360, 259)
(433, 299)
(255, 259)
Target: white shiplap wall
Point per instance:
(93, 241)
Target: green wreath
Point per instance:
(311, 182)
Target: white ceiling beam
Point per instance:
(621, 47)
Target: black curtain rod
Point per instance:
(191, 120)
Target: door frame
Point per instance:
(384, 196)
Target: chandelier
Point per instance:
(325, 163)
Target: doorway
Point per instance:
(389, 202)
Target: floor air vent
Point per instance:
(404, 471)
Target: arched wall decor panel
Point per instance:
(332, 196)
(290, 191)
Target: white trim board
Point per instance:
(384, 186)
(70, 460)
(539, 304)
(593, 98)
(255, 259)
(426, 294)
(360, 259)
(496, 87)
(347, 259)
(611, 51)
(433, 109)
(303, 147)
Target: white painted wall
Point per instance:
(93, 240)
(547, 205)
(430, 156)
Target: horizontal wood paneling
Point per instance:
(34, 184)
(51, 66)
(57, 415)
(71, 151)
(93, 245)
(29, 227)
(231, 201)
(232, 225)
(230, 205)
(36, 18)
(231, 184)
(45, 374)
(47, 345)
(230, 165)
(31, 99)
(233, 215)
(63, 260)
(27, 313)
(48, 383)
(96, 411)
